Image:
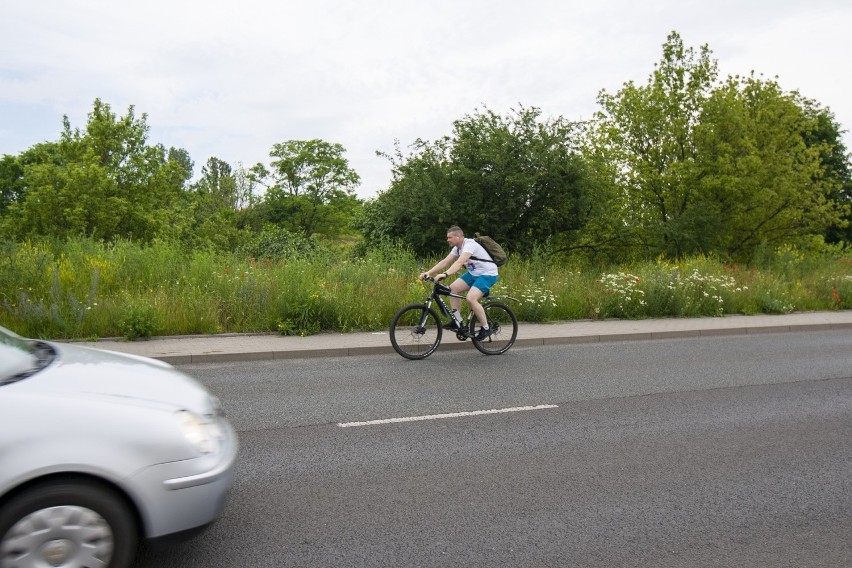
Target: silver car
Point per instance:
(100, 451)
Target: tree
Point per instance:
(713, 168)
(826, 134)
(218, 185)
(217, 209)
(648, 134)
(104, 182)
(417, 208)
(519, 178)
(13, 187)
(310, 188)
(762, 164)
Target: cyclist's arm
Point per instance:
(455, 267)
(439, 266)
(459, 262)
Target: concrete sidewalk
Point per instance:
(244, 347)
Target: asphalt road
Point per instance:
(731, 451)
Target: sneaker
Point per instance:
(483, 334)
(452, 326)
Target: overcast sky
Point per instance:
(230, 79)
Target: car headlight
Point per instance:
(202, 434)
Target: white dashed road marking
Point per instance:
(449, 415)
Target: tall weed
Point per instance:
(82, 288)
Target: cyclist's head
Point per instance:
(455, 236)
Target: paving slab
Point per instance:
(244, 347)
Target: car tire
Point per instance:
(68, 523)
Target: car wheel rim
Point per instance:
(58, 536)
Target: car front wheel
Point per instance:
(67, 523)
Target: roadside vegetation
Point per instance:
(689, 195)
(83, 289)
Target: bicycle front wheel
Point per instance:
(415, 331)
(503, 325)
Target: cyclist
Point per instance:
(481, 275)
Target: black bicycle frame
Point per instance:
(439, 290)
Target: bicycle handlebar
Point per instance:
(442, 289)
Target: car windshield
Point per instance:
(20, 358)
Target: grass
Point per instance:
(82, 289)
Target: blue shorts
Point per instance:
(484, 283)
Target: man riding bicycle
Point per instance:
(481, 275)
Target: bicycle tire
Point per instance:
(409, 338)
(503, 325)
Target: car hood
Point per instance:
(86, 372)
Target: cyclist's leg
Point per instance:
(478, 289)
(473, 297)
(459, 286)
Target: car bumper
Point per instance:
(180, 497)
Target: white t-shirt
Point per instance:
(476, 267)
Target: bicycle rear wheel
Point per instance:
(503, 325)
(415, 331)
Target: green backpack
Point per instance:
(494, 250)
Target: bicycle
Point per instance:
(416, 329)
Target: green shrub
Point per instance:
(139, 320)
(277, 243)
